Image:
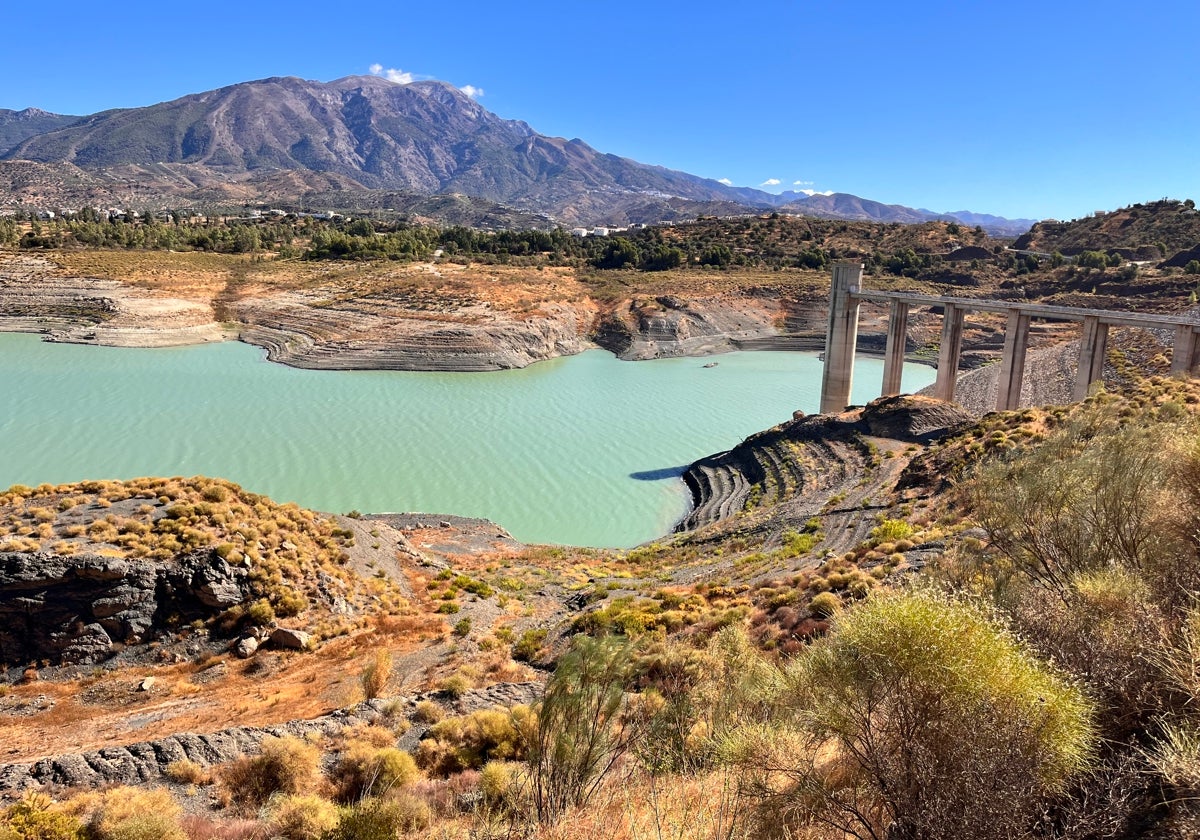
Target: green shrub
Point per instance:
(382, 819)
(891, 530)
(581, 730)
(470, 741)
(33, 817)
(499, 782)
(824, 605)
(301, 817)
(932, 721)
(427, 711)
(365, 770)
(529, 645)
(260, 613)
(455, 686)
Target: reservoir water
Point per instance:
(585, 450)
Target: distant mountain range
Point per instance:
(16, 126)
(361, 134)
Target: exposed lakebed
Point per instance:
(582, 450)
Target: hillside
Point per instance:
(16, 126)
(1155, 230)
(425, 137)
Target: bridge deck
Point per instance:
(1042, 311)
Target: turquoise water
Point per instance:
(583, 450)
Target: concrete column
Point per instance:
(1092, 343)
(948, 355)
(1183, 357)
(1012, 367)
(893, 356)
(840, 337)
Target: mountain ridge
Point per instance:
(427, 137)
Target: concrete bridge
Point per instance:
(842, 335)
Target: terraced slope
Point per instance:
(794, 469)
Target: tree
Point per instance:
(1193, 267)
(582, 729)
(618, 253)
(361, 227)
(717, 255)
(662, 258)
(920, 718)
(1092, 259)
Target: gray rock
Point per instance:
(70, 609)
(245, 647)
(91, 645)
(290, 639)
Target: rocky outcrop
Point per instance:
(375, 332)
(73, 608)
(810, 456)
(148, 760)
(673, 326)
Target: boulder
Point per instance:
(245, 647)
(284, 637)
(91, 645)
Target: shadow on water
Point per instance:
(659, 475)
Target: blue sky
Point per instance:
(1022, 109)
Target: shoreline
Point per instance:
(54, 330)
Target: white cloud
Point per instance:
(472, 91)
(802, 183)
(771, 182)
(817, 192)
(392, 74)
(725, 181)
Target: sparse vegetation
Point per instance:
(284, 766)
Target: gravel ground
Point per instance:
(1049, 380)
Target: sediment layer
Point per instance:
(808, 457)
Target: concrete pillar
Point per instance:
(948, 355)
(1092, 343)
(1012, 367)
(1183, 357)
(893, 356)
(840, 337)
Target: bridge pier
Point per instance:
(1183, 356)
(949, 353)
(893, 355)
(841, 337)
(1012, 366)
(1092, 344)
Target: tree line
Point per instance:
(649, 249)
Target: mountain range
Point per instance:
(287, 138)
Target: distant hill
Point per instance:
(851, 207)
(364, 133)
(1153, 230)
(16, 126)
